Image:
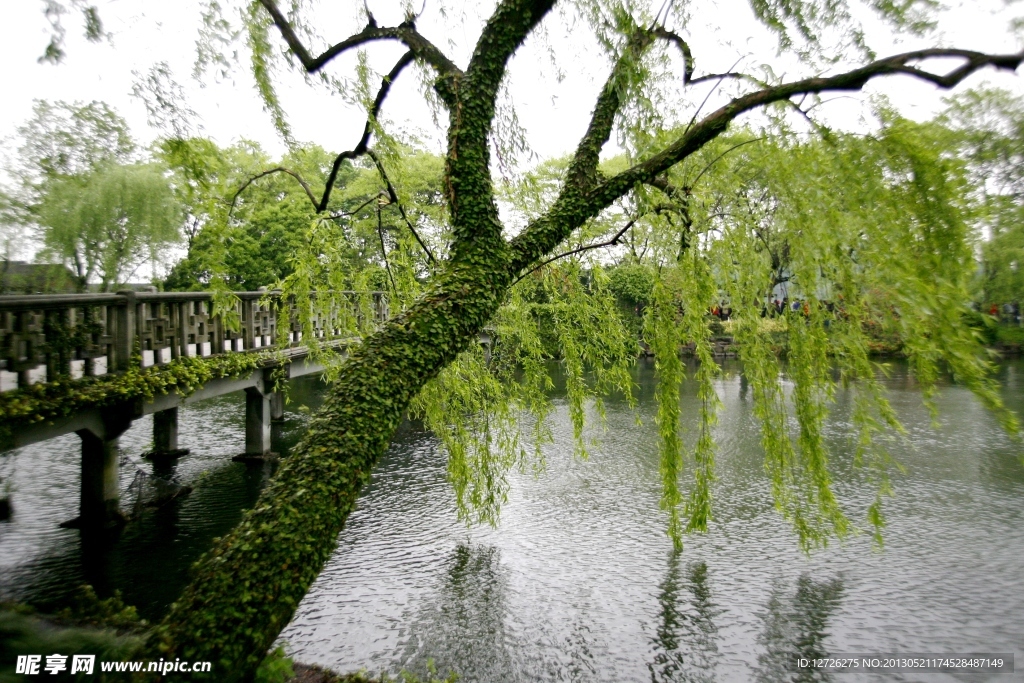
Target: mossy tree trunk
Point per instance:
(246, 589)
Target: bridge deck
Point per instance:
(44, 338)
(104, 422)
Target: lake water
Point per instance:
(579, 582)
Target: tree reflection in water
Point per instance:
(463, 626)
(684, 645)
(797, 627)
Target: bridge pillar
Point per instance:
(101, 488)
(257, 427)
(165, 435)
(277, 406)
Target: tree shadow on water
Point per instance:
(796, 627)
(684, 644)
(463, 627)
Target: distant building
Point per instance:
(19, 277)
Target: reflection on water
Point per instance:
(470, 601)
(148, 561)
(685, 645)
(578, 582)
(795, 626)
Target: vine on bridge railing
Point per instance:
(44, 338)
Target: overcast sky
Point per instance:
(553, 111)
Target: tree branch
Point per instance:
(665, 34)
(583, 168)
(393, 197)
(405, 33)
(353, 212)
(585, 160)
(822, 130)
(567, 212)
(476, 225)
(384, 251)
(728, 74)
(279, 169)
(364, 141)
(609, 243)
(712, 125)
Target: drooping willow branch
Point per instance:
(720, 156)
(393, 197)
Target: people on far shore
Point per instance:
(1008, 313)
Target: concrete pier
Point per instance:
(277, 406)
(165, 435)
(101, 490)
(257, 425)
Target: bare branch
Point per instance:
(405, 33)
(353, 212)
(735, 75)
(384, 251)
(279, 169)
(609, 243)
(822, 130)
(582, 170)
(663, 12)
(364, 141)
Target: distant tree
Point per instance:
(249, 219)
(108, 222)
(82, 187)
(68, 139)
(989, 124)
(222, 238)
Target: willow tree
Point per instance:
(910, 234)
(990, 124)
(109, 222)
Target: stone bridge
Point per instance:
(44, 338)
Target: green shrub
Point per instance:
(632, 284)
(276, 668)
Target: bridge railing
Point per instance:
(43, 337)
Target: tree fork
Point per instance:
(246, 588)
